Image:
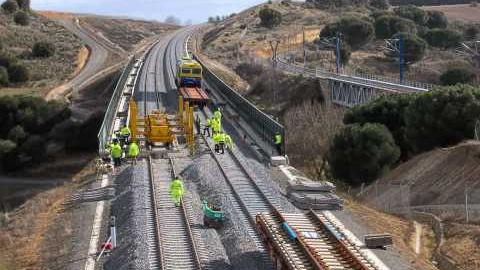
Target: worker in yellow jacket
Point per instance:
(176, 190)
(116, 152)
(133, 152)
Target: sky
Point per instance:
(194, 10)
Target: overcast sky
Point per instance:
(194, 10)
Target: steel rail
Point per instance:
(156, 228)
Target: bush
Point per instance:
(35, 147)
(17, 134)
(471, 32)
(24, 4)
(356, 31)
(5, 60)
(362, 153)
(413, 13)
(457, 75)
(249, 71)
(9, 6)
(414, 48)
(21, 18)
(345, 53)
(387, 26)
(18, 73)
(443, 38)
(442, 117)
(436, 19)
(379, 4)
(270, 17)
(6, 146)
(388, 111)
(4, 80)
(43, 49)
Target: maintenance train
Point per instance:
(189, 81)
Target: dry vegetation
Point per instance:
(462, 243)
(36, 235)
(126, 32)
(459, 12)
(45, 72)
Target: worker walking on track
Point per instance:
(221, 141)
(208, 124)
(124, 135)
(216, 142)
(133, 152)
(228, 141)
(278, 143)
(116, 152)
(216, 125)
(176, 190)
(217, 114)
(198, 123)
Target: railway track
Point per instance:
(171, 240)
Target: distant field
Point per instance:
(458, 12)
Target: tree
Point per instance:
(6, 146)
(211, 19)
(4, 80)
(269, 17)
(414, 48)
(471, 32)
(9, 6)
(18, 73)
(457, 75)
(356, 31)
(21, 18)
(43, 49)
(436, 19)
(24, 4)
(388, 111)
(443, 38)
(413, 13)
(173, 20)
(345, 53)
(34, 147)
(362, 153)
(379, 4)
(442, 117)
(387, 26)
(17, 134)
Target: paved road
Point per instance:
(96, 62)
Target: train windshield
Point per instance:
(185, 70)
(196, 71)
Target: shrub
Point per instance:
(345, 53)
(43, 49)
(9, 6)
(356, 31)
(6, 146)
(362, 153)
(443, 38)
(5, 60)
(414, 48)
(413, 13)
(249, 71)
(457, 75)
(18, 73)
(379, 4)
(34, 147)
(17, 134)
(471, 32)
(21, 18)
(1, 45)
(270, 17)
(24, 4)
(387, 26)
(442, 117)
(388, 111)
(4, 80)
(436, 19)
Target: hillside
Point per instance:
(229, 42)
(47, 72)
(125, 32)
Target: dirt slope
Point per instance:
(436, 177)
